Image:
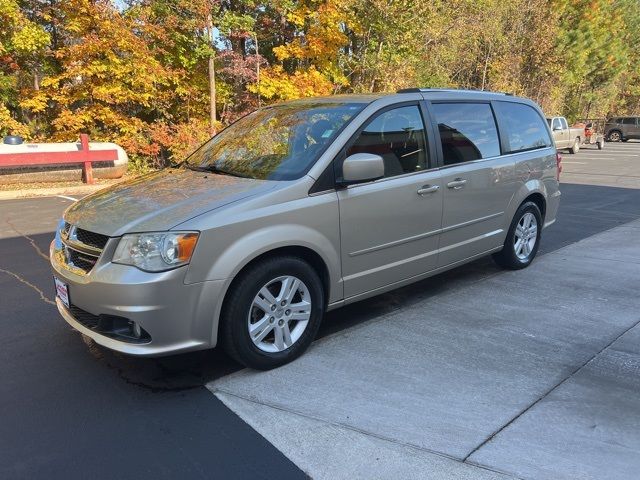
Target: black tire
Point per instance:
(576, 146)
(614, 136)
(238, 306)
(507, 257)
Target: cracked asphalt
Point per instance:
(73, 409)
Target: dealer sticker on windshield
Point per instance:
(62, 291)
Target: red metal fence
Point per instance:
(83, 156)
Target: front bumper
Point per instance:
(178, 317)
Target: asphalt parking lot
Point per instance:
(476, 373)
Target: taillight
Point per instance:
(559, 164)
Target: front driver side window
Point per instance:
(398, 136)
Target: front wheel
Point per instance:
(523, 238)
(272, 313)
(615, 136)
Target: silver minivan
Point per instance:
(302, 207)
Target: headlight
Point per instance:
(156, 252)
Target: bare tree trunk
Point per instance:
(212, 79)
(372, 85)
(486, 64)
(258, 71)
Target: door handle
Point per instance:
(457, 184)
(428, 189)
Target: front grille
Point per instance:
(81, 248)
(82, 261)
(119, 328)
(85, 318)
(92, 239)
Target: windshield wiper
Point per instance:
(214, 169)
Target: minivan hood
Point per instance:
(159, 201)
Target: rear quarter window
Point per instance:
(522, 127)
(467, 131)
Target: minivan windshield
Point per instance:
(275, 143)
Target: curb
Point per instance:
(50, 192)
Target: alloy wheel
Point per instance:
(279, 314)
(526, 236)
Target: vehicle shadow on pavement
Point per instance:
(585, 210)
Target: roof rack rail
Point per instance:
(410, 90)
(420, 90)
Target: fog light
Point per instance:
(136, 331)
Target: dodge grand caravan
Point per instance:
(300, 208)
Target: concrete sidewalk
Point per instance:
(533, 374)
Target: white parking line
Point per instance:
(67, 198)
(617, 154)
(609, 158)
(578, 163)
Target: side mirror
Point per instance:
(362, 167)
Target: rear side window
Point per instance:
(629, 121)
(525, 128)
(467, 131)
(563, 122)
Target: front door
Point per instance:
(560, 135)
(477, 182)
(390, 227)
(567, 141)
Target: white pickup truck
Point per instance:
(564, 135)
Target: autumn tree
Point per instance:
(22, 46)
(138, 72)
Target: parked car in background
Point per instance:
(621, 129)
(303, 207)
(564, 136)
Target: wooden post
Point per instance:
(87, 170)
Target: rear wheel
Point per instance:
(576, 146)
(272, 313)
(523, 238)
